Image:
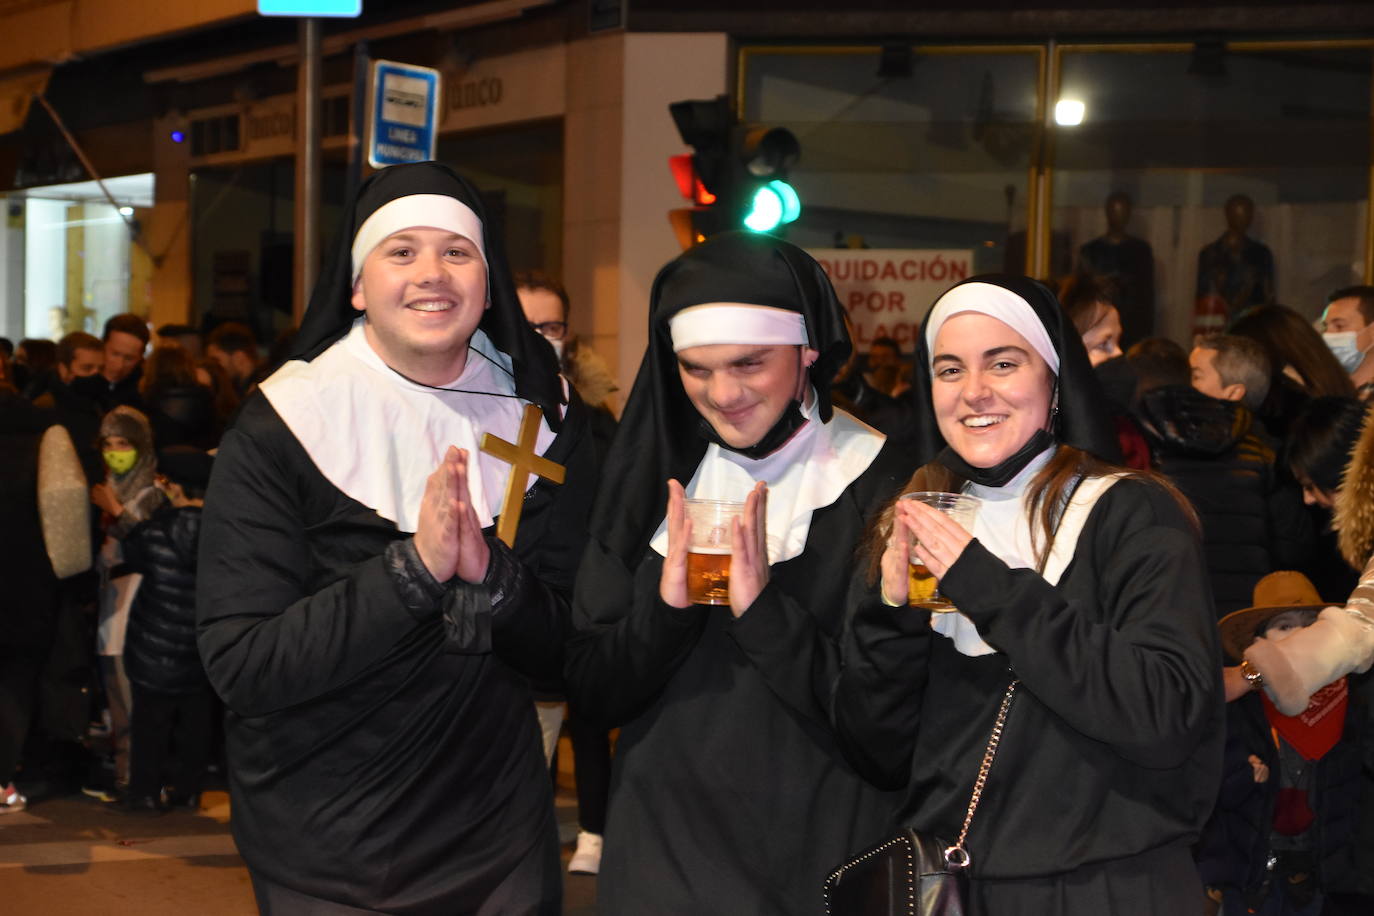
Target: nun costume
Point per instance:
(1110, 759)
(383, 749)
(729, 793)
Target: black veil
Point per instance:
(660, 435)
(330, 313)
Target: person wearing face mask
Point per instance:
(729, 793)
(1298, 783)
(126, 497)
(1081, 583)
(1348, 329)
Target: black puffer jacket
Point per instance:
(1235, 844)
(1252, 522)
(160, 647)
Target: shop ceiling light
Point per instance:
(1069, 112)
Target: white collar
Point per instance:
(809, 472)
(377, 436)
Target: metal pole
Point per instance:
(1041, 234)
(307, 210)
(362, 65)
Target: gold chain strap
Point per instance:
(956, 856)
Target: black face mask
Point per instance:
(999, 474)
(792, 419)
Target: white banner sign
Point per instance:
(888, 291)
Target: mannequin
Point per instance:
(1234, 272)
(1130, 263)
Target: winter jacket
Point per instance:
(160, 646)
(1235, 844)
(1252, 521)
(30, 587)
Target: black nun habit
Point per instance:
(729, 794)
(1110, 759)
(383, 750)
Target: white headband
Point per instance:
(995, 302)
(438, 211)
(732, 323)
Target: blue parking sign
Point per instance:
(342, 8)
(404, 114)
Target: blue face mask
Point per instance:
(1345, 349)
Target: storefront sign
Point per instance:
(888, 291)
(524, 86)
(403, 114)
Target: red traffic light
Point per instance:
(688, 181)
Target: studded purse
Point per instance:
(914, 872)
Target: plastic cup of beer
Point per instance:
(924, 590)
(708, 555)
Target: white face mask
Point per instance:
(557, 348)
(1345, 349)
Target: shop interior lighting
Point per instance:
(1069, 112)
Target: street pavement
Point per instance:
(71, 855)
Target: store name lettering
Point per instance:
(473, 93)
(936, 268)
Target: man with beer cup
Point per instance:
(729, 793)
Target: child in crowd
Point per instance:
(173, 705)
(1290, 837)
(127, 497)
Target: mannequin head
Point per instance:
(1240, 212)
(1118, 210)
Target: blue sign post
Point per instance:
(403, 115)
(343, 8)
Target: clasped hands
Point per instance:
(748, 550)
(448, 536)
(925, 534)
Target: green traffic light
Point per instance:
(774, 203)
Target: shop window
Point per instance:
(1171, 143)
(905, 148)
(76, 266)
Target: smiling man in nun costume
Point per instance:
(729, 793)
(372, 641)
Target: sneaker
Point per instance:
(11, 801)
(101, 794)
(587, 859)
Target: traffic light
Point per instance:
(764, 198)
(737, 176)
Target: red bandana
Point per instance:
(1315, 730)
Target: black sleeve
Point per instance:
(1145, 678)
(795, 657)
(626, 642)
(267, 641)
(875, 703)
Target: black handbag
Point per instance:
(913, 873)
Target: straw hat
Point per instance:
(1276, 593)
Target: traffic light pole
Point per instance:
(307, 209)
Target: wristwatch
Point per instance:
(1252, 675)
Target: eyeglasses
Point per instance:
(553, 330)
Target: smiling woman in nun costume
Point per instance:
(729, 794)
(371, 640)
(1081, 579)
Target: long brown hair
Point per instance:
(1289, 340)
(1044, 502)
